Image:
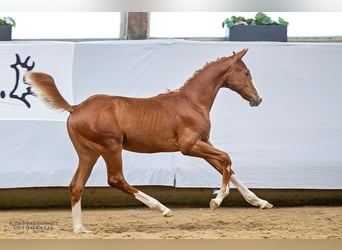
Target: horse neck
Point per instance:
(203, 87)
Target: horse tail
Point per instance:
(46, 88)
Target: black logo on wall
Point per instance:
(20, 89)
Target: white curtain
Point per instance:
(292, 140)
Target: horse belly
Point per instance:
(151, 146)
(150, 137)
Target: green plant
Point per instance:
(7, 21)
(259, 19)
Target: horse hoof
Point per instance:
(81, 230)
(213, 204)
(266, 205)
(167, 213)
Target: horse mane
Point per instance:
(208, 64)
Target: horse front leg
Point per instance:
(222, 163)
(219, 160)
(247, 194)
(223, 192)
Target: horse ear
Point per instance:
(238, 56)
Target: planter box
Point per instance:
(277, 33)
(5, 32)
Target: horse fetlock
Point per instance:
(220, 195)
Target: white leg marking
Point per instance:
(77, 218)
(152, 203)
(248, 195)
(220, 195)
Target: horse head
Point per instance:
(239, 79)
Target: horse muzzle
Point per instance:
(255, 102)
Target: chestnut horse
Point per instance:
(104, 125)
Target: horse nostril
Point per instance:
(254, 102)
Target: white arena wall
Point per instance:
(292, 140)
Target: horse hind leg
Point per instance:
(248, 195)
(153, 203)
(87, 160)
(116, 179)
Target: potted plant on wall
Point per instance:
(6, 25)
(259, 28)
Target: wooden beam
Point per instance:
(135, 25)
(41, 197)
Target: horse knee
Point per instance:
(227, 162)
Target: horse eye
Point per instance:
(247, 74)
